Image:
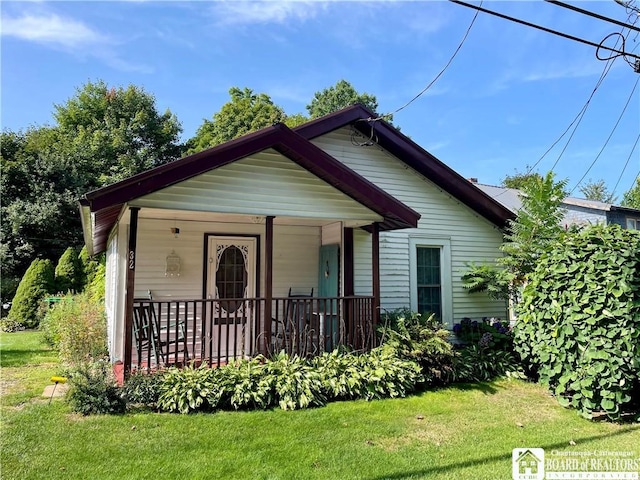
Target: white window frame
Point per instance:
(633, 220)
(444, 244)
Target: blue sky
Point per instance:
(505, 99)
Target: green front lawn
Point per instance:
(463, 432)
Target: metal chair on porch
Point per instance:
(296, 333)
(157, 342)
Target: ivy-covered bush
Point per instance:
(37, 282)
(422, 340)
(76, 326)
(579, 319)
(68, 272)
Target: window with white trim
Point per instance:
(429, 281)
(430, 277)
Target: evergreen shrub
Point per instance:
(37, 282)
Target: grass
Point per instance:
(462, 432)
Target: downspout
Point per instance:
(131, 274)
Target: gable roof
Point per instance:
(106, 203)
(405, 149)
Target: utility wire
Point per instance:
(625, 166)
(582, 113)
(609, 137)
(464, 38)
(545, 29)
(577, 118)
(593, 14)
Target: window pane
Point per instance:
(429, 281)
(231, 277)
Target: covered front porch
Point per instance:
(196, 331)
(243, 249)
(267, 284)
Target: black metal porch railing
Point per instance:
(213, 331)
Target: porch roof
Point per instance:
(409, 152)
(101, 208)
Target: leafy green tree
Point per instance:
(68, 273)
(631, 197)
(245, 113)
(520, 180)
(341, 95)
(535, 228)
(37, 282)
(102, 135)
(117, 132)
(597, 191)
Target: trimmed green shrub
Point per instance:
(68, 273)
(422, 340)
(95, 288)
(37, 282)
(90, 267)
(93, 389)
(77, 327)
(579, 320)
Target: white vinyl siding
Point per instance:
(472, 238)
(266, 183)
(295, 256)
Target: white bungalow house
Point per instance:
(287, 239)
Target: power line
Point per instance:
(464, 38)
(582, 113)
(545, 29)
(625, 166)
(608, 138)
(593, 14)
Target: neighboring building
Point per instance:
(219, 254)
(578, 211)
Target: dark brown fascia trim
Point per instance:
(413, 155)
(278, 137)
(332, 171)
(446, 178)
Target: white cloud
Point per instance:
(70, 36)
(51, 29)
(234, 12)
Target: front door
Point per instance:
(231, 279)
